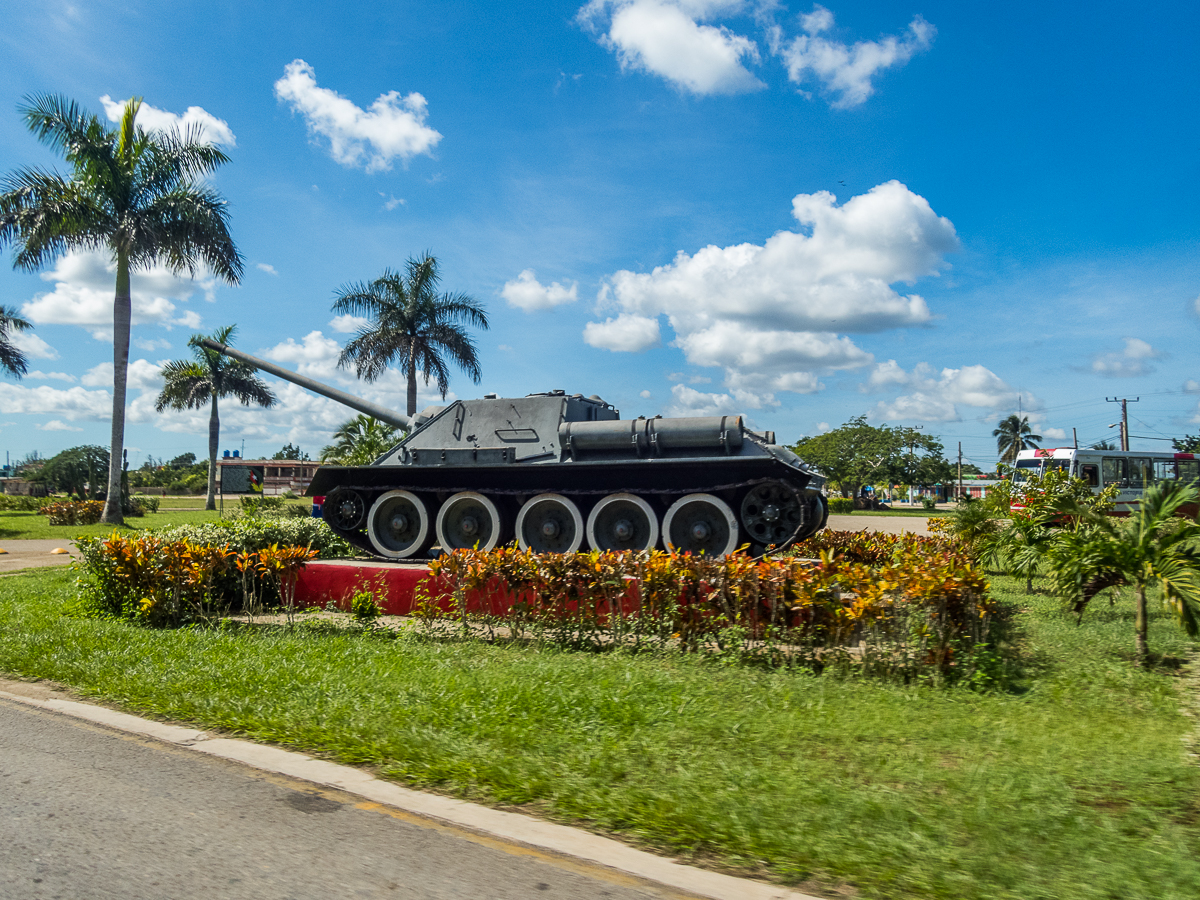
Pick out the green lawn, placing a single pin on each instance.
(32, 525)
(1075, 784)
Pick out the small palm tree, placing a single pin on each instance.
(12, 360)
(1014, 435)
(410, 322)
(138, 197)
(1154, 546)
(199, 382)
(360, 442)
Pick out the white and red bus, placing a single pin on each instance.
(1131, 470)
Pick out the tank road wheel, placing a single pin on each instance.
(550, 523)
(344, 509)
(622, 522)
(398, 525)
(700, 523)
(468, 521)
(771, 513)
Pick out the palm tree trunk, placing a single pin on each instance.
(412, 382)
(214, 439)
(1140, 624)
(122, 311)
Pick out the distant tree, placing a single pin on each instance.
(1107, 445)
(182, 461)
(1013, 435)
(139, 197)
(199, 382)
(411, 323)
(1186, 444)
(360, 442)
(81, 471)
(290, 452)
(12, 360)
(858, 453)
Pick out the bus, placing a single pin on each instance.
(1131, 470)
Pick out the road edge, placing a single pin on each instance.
(508, 827)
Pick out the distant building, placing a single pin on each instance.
(269, 477)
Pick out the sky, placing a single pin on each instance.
(930, 214)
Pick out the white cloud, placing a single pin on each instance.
(208, 127)
(56, 425)
(392, 128)
(84, 283)
(348, 324)
(626, 333)
(769, 315)
(151, 345)
(527, 293)
(266, 267)
(1134, 360)
(1191, 386)
(937, 398)
(823, 427)
(66, 403)
(846, 71)
(391, 202)
(32, 345)
(1054, 434)
(645, 395)
(51, 376)
(686, 401)
(141, 375)
(665, 38)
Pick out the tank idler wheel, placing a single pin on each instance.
(468, 521)
(344, 509)
(700, 523)
(772, 512)
(398, 525)
(550, 523)
(818, 515)
(622, 522)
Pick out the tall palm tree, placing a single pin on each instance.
(360, 442)
(1014, 435)
(1154, 546)
(194, 383)
(410, 322)
(139, 197)
(12, 360)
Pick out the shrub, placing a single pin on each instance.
(73, 512)
(24, 503)
(178, 487)
(251, 535)
(148, 504)
(928, 504)
(841, 506)
(365, 607)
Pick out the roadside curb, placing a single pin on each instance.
(507, 827)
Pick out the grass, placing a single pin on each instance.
(31, 525)
(1074, 784)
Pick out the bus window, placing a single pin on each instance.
(1025, 468)
(1165, 470)
(1140, 473)
(1090, 473)
(1189, 470)
(1115, 471)
(1057, 464)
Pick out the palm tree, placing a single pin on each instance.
(360, 442)
(411, 322)
(192, 384)
(1014, 435)
(12, 360)
(139, 197)
(1154, 546)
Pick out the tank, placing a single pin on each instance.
(562, 472)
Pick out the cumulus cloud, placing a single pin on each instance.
(845, 72)
(1053, 434)
(56, 425)
(627, 333)
(1136, 359)
(32, 345)
(936, 397)
(666, 38)
(1191, 386)
(686, 401)
(51, 376)
(392, 128)
(770, 314)
(83, 295)
(527, 293)
(72, 403)
(348, 324)
(207, 127)
(266, 267)
(151, 344)
(645, 395)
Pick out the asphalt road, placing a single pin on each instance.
(86, 813)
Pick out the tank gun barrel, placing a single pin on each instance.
(374, 410)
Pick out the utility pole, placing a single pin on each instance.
(1075, 438)
(960, 492)
(1124, 401)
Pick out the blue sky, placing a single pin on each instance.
(927, 213)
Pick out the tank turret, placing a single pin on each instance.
(559, 472)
